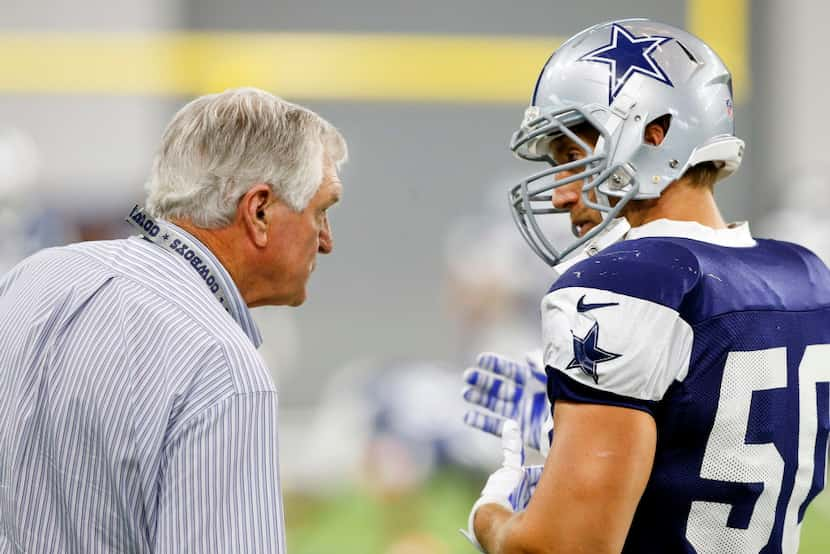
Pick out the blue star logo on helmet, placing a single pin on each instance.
(587, 354)
(627, 55)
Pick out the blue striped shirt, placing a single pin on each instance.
(135, 412)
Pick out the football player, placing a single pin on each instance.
(687, 363)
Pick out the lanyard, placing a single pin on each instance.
(164, 235)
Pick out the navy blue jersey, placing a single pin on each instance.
(728, 348)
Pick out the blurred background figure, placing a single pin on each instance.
(427, 94)
(384, 461)
(494, 282)
(803, 214)
(27, 220)
(18, 196)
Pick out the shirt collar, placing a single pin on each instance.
(735, 235)
(615, 231)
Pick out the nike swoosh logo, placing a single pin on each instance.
(583, 307)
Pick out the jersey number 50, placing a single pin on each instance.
(729, 458)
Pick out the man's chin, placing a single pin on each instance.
(298, 300)
(283, 299)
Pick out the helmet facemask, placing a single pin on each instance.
(533, 196)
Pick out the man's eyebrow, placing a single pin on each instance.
(567, 142)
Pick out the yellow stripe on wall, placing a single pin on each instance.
(724, 25)
(386, 67)
(304, 65)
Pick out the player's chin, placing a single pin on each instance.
(584, 228)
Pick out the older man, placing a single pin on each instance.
(135, 412)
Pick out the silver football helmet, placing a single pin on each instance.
(618, 77)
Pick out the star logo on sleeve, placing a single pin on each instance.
(587, 354)
(627, 55)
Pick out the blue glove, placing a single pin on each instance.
(510, 486)
(499, 388)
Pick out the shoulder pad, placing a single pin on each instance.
(653, 269)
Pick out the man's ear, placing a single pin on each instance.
(654, 134)
(252, 212)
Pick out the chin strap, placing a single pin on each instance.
(613, 232)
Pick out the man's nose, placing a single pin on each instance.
(326, 244)
(566, 196)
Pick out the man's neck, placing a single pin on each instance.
(219, 242)
(680, 202)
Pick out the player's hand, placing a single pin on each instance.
(510, 486)
(499, 388)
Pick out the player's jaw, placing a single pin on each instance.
(584, 219)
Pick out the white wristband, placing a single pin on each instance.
(470, 533)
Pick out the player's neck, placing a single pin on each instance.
(679, 202)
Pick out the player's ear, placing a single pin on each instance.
(656, 130)
(253, 214)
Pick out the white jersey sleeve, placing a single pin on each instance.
(615, 343)
(613, 333)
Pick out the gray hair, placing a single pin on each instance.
(218, 146)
